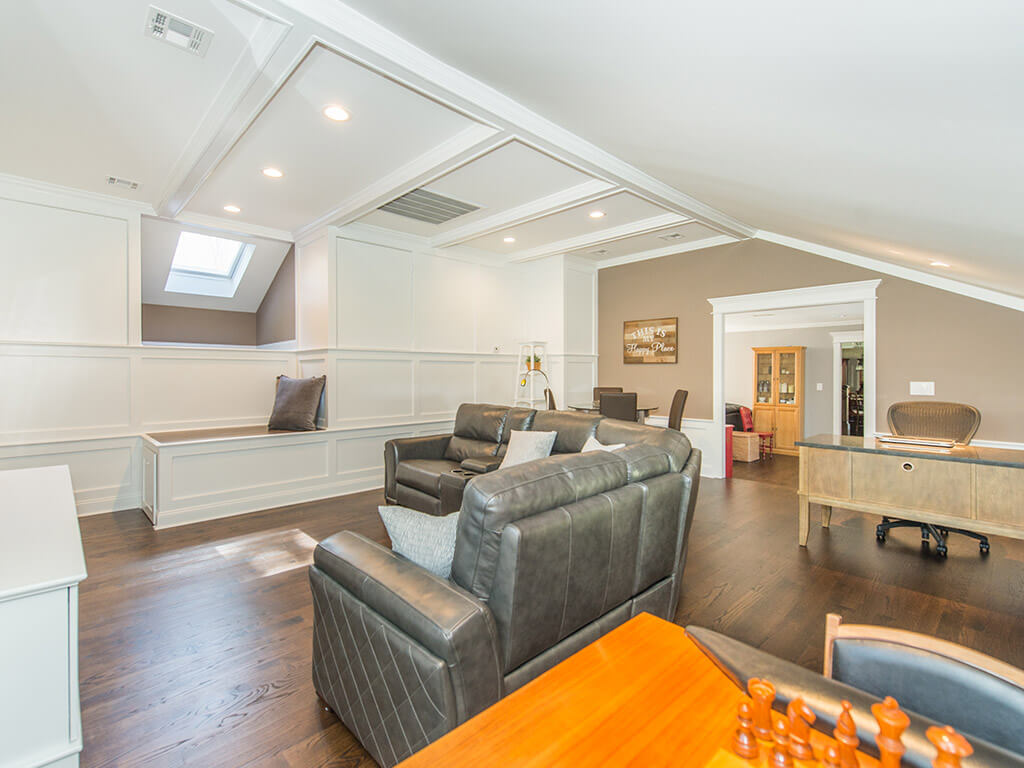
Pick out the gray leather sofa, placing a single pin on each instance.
(430, 473)
(549, 556)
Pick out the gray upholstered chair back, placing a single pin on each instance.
(599, 390)
(478, 431)
(618, 405)
(675, 413)
(946, 421)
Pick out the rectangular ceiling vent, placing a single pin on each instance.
(672, 236)
(175, 30)
(428, 206)
(122, 183)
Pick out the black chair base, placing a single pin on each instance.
(939, 533)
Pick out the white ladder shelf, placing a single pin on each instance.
(530, 382)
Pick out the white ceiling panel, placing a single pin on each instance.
(159, 239)
(94, 96)
(324, 162)
(619, 209)
(649, 241)
(507, 177)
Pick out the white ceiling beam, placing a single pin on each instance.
(232, 227)
(610, 234)
(580, 194)
(467, 145)
(255, 78)
(366, 41)
(668, 250)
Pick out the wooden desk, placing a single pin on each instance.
(979, 489)
(642, 695)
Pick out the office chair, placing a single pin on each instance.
(549, 399)
(943, 681)
(946, 421)
(619, 405)
(675, 413)
(599, 390)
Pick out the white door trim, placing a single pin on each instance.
(839, 293)
(838, 339)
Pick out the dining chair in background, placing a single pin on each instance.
(675, 414)
(599, 390)
(618, 405)
(549, 399)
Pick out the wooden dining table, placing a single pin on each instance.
(642, 411)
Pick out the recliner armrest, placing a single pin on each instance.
(482, 464)
(439, 615)
(405, 448)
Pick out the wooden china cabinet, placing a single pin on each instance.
(779, 395)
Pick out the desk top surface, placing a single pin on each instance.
(999, 457)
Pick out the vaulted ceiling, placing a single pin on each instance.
(604, 131)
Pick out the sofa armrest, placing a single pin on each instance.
(482, 464)
(404, 448)
(435, 613)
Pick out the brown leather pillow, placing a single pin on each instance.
(296, 403)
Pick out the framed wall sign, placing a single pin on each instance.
(649, 341)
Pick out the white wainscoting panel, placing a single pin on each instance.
(580, 310)
(495, 381)
(368, 389)
(580, 379)
(65, 275)
(375, 295)
(217, 468)
(443, 385)
(443, 303)
(500, 309)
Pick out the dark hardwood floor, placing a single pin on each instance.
(778, 470)
(196, 641)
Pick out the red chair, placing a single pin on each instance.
(766, 440)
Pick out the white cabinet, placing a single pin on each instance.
(41, 564)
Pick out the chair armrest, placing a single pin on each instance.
(404, 448)
(437, 614)
(481, 464)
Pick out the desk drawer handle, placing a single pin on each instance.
(908, 466)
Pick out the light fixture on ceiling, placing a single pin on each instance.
(232, 209)
(336, 113)
(894, 252)
(508, 240)
(273, 173)
(597, 214)
(939, 264)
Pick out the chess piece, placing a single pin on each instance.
(763, 695)
(950, 745)
(831, 757)
(800, 719)
(744, 743)
(846, 735)
(780, 749)
(892, 721)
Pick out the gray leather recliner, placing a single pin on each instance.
(549, 556)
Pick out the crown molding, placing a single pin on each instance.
(847, 337)
(57, 196)
(797, 326)
(812, 296)
(668, 250)
(906, 273)
(607, 235)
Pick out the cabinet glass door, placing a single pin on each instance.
(763, 367)
(787, 378)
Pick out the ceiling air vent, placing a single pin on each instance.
(428, 206)
(177, 31)
(672, 236)
(122, 183)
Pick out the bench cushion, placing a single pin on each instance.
(424, 474)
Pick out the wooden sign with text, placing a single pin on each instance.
(649, 341)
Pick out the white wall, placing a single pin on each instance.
(739, 369)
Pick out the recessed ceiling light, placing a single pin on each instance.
(273, 173)
(939, 264)
(509, 240)
(895, 252)
(232, 209)
(336, 113)
(596, 214)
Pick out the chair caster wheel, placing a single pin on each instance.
(880, 536)
(984, 548)
(941, 551)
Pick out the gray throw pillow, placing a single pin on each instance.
(528, 446)
(427, 540)
(296, 403)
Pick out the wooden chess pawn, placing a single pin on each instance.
(744, 743)
(846, 736)
(800, 719)
(762, 693)
(892, 722)
(950, 745)
(781, 758)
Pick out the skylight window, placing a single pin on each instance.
(204, 265)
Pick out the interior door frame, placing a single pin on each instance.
(864, 291)
(838, 339)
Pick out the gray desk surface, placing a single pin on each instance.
(999, 457)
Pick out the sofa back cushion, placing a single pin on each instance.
(478, 430)
(675, 444)
(573, 429)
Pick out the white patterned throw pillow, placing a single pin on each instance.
(527, 446)
(427, 540)
(593, 444)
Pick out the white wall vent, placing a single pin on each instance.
(672, 236)
(175, 30)
(428, 206)
(122, 183)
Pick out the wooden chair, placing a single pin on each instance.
(946, 682)
(675, 413)
(599, 390)
(618, 405)
(549, 399)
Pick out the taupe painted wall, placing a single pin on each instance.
(969, 348)
(274, 321)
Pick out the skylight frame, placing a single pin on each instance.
(209, 282)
